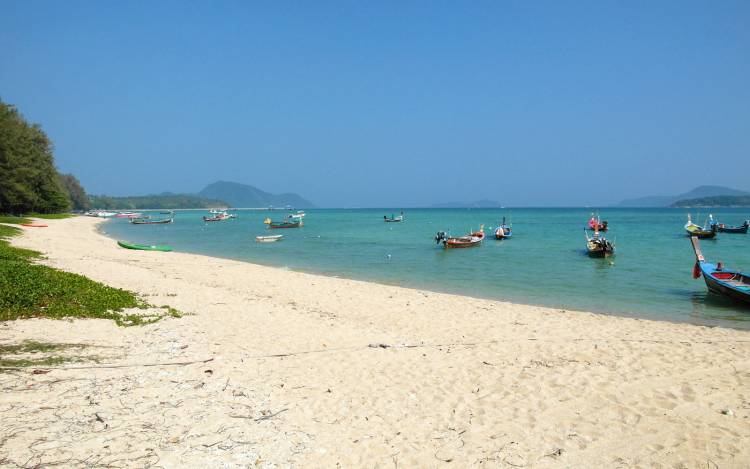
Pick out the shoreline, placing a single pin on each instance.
(690, 320)
(312, 370)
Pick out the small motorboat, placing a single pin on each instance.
(128, 215)
(595, 224)
(268, 239)
(719, 279)
(149, 221)
(742, 229)
(598, 246)
(503, 231)
(221, 216)
(297, 216)
(393, 219)
(703, 232)
(145, 247)
(472, 239)
(287, 223)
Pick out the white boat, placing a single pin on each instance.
(299, 215)
(103, 214)
(268, 239)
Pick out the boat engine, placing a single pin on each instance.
(440, 236)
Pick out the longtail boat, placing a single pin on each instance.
(595, 224)
(288, 223)
(742, 229)
(472, 239)
(393, 219)
(145, 247)
(148, 221)
(701, 232)
(503, 231)
(128, 215)
(719, 279)
(598, 246)
(218, 217)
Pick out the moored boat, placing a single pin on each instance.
(268, 239)
(393, 219)
(297, 216)
(703, 232)
(221, 216)
(742, 229)
(148, 221)
(595, 223)
(449, 242)
(128, 215)
(287, 223)
(503, 231)
(598, 246)
(145, 247)
(719, 279)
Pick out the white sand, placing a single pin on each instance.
(468, 383)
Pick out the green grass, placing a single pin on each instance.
(49, 354)
(14, 220)
(49, 216)
(29, 290)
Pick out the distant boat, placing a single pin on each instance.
(394, 219)
(595, 224)
(742, 229)
(145, 247)
(472, 239)
(701, 232)
(727, 282)
(297, 216)
(598, 246)
(148, 221)
(220, 216)
(128, 215)
(288, 223)
(167, 212)
(216, 211)
(268, 239)
(503, 231)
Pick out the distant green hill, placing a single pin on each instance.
(717, 201)
(244, 196)
(163, 201)
(668, 200)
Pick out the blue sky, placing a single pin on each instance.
(388, 103)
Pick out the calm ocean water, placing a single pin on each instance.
(545, 263)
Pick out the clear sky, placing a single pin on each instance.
(356, 103)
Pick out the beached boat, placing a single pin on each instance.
(503, 231)
(719, 279)
(598, 246)
(595, 224)
(145, 247)
(103, 214)
(742, 229)
(128, 215)
(34, 225)
(472, 239)
(287, 223)
(394, 219)
(268, 239)
(703, 232)
(148, 221)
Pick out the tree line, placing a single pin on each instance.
(162, 201)
(29, 180)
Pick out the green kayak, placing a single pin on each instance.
(145, 247)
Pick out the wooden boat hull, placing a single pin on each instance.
(279, 225)
(732, 229)
(601, 253)
(151, 222)
(719, 280)
(458, 243)
(145, 247)
(34, 225)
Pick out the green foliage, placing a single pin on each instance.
(14, 220)
(163, 201)
(76, 194)
(31, 290)
(30, 181)
(49, 216)
(715, 201)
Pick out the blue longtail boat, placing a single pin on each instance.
(718, 278)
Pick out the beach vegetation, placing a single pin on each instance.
(164, 201)
(31, 290)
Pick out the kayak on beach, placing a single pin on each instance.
(145, 247)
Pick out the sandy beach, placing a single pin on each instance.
(274, 368)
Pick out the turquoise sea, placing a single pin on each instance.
(545, 263)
